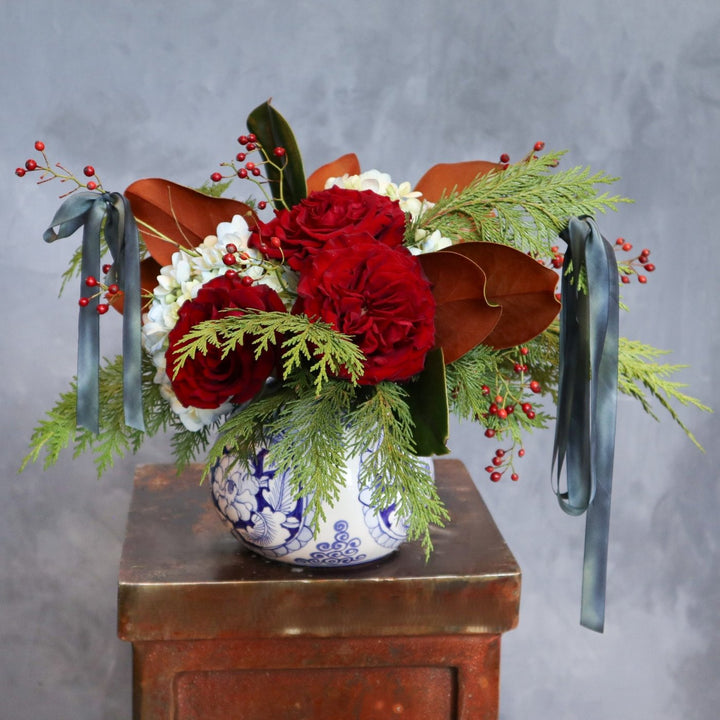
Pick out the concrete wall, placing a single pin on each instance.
(141, 88)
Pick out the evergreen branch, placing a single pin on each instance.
(391, 470)
(638, 366)
(300, 339)
(524, 206)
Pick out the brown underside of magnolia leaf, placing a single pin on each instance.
(442, 179)
(463, 316)
(149, 271)
(344, 165)
(171, 215)
(520, 285)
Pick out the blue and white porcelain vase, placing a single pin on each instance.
(261, 512)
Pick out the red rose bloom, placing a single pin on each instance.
(308, 226)
(207, 381)
(376, 294)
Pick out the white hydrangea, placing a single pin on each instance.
(426, 242)
(180, 282)
(410, 200)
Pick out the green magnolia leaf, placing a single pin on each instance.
(272, 130)
(427, 400)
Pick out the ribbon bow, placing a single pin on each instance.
(587, 399)
(106, 215)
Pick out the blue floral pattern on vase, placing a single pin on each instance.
(257, 503)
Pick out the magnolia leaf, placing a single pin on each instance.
(345, 165)
(427, 400)
(149, 271)
(272, 130)
(522, 287)
(442, 179)
(170, 216)
(463, 316)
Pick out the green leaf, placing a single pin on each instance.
(427, 400)
(272, 130)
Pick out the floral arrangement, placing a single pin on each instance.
(339, 310)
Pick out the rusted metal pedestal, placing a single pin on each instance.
(220, 633)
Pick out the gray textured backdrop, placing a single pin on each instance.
(143, 88)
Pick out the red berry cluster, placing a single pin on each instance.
(502, 462)
(48, 172)
(558, 258)
(248, 169)
(109, 291)
(628, 268)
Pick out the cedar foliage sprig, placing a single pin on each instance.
(525, 205)
(384, 423)
(638, 368)
(302, 340)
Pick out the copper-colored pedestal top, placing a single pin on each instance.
(183, 576)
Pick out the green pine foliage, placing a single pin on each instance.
(305, 343)
(524, 206)
(384, 422)
(639, 368)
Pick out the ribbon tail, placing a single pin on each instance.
(88, 363)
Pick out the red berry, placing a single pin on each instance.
(642, 279)
(620, 241)
(504, 158)
(83, 302)
(275, 241)
(252, 137)
(539, 145)
(30, 165)
(521, 452)
(497, 461)
(524, 351)
(627, 247)
(645, 252)
(490, 468)
(262, 205)
(495, 477)
(102, 308)
(625, 279)
(246, 280)
(485, 390)
(91, 185)
(650, 267)
(39, 145)
(530, 415)
(216, 177)
(502, 413)
(526, 407)
(91, 281)
(279, 152)
(500, 452)
(498, 398)
(517, 367)
(251, 146)
(510, 409)
(489, 433)
(243, 139)
(88, 171)
(240, 157)
(493, 409)
(250, 166)
(229, 259)
(515, 477)
(231, 247)
(113, 289)
(256, 171)
(535, 386)
(242, 173)
(231, 273)
(20, 172)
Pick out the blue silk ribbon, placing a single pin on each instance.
(106, 215)
(587, 399)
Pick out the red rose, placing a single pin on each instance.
(207, 381)
(304, 229)
(376, 294)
